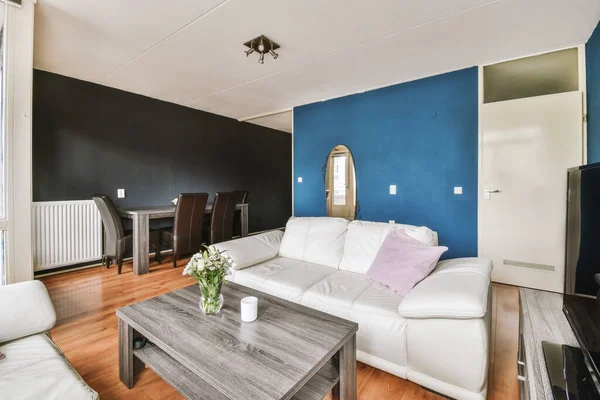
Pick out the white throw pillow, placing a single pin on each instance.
(317, 240)
(364, 238)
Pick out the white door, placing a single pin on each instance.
(527, 145)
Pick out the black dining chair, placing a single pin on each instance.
(117, 241)
(186, 236)
(237, 217)
(221, 218)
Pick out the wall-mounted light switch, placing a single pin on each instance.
(121, 193)
(299, 179)
(392, 189)
(457, 189)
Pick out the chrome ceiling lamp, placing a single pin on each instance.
(262, 45)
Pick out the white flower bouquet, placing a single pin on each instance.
(209, 267)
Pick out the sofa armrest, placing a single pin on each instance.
(456, 289)
(25, 309)
(252, 250)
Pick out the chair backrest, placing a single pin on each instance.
(189, 222)
(242, 196)
(221, 222)
(113, 227)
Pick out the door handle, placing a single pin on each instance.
(489, 191)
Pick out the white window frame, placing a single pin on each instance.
(18, 94)
(6, 144)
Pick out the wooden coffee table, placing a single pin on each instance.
(289, 352)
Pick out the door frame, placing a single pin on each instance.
(582, 89)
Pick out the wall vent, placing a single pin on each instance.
(523, 264)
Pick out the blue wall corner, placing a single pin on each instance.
(592, 67)
(421, 136)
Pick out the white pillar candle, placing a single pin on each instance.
(249, 308)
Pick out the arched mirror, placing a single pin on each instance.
(340, 184)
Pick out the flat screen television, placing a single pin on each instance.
(581, 303)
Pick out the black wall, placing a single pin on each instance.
(89, 139)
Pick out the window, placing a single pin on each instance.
(549, 73)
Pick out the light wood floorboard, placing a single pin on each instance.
(86, 332)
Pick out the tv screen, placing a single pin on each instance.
(582, 263)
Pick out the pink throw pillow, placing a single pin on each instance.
(402, 261)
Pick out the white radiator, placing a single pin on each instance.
(66, 233)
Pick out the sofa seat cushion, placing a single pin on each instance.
(283, 277)
(317, 240)
(34, 368)
(344, 294)
(381, 329)
(378, 300)
(340, 289)
(352, 291)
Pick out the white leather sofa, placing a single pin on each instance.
(34, 367)
(437, 336)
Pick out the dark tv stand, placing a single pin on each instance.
(569, 372)
(541, 319)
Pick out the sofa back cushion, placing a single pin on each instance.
(317, 240)
(364, 239)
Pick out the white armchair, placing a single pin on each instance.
(25, 309)
(34, 367)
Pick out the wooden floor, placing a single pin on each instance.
(86, 332)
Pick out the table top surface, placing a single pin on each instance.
(153, 210)
(270, 358)
(147, 210)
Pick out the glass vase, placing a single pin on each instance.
(211, 299)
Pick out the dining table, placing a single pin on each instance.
(141, 217)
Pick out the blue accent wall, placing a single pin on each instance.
(421, 136)
(592, 67)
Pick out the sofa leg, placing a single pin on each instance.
(434, 392)
(174, 261)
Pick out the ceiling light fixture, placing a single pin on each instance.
(262, 45)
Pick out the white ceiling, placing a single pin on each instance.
(190, 52)
(282, 121)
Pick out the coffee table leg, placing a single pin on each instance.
(346, 388)
(129, 365)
